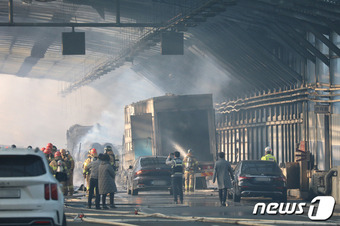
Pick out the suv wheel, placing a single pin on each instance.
(283, 198)
(64, 220)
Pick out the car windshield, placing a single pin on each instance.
(261, 168)
(152, 161)
(21, 166)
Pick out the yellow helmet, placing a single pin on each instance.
(63, 151)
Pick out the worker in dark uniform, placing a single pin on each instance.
(176, 176)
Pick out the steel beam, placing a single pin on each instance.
(81, 24)
(292, 43)
(306, 43)
(335, 27)
(323, 39)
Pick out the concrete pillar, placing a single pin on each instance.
(335, 107)
(323, 77)
(336, 186)
(311, 78)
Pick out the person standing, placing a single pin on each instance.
(86, 172)
(59, 170)
(106, 181)
(268, 156)
(67, 158)
(176, 176)
(223, 172)
(190, 165)
(48, 154)
(108, 150)
(94, 167)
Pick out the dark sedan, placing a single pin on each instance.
(149, 173)
(257, 178)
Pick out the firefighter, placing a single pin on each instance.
(54, 149)
(86, 171)
(59, 170)
(268, 156)
(190, 165)
(49, 145)
(67, 158)
(108, 150)
(48, 154)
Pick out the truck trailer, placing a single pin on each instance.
(162, 125)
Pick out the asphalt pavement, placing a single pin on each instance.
(199, 208)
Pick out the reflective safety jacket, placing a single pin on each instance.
(269, 157)
(69, 162)
(58, 166)
(86, 170)
(190, 163)
(176, 166)
(113, 162)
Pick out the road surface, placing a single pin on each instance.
(199, 208)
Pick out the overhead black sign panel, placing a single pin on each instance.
(172, 43)
(73, 43)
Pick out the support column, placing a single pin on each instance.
(10, 11)
(117, 11)
(335, 107)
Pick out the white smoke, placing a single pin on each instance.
(125, 88)
(32, 112)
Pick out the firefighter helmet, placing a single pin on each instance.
(107, 149)
(93, 152)
(63, 151)
(47, 151)
(57, 154)
(189, 151)
(268, 150)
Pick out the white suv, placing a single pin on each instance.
(29, 193)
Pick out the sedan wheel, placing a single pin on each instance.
(236, 198)
(128, 190)
(134, 192)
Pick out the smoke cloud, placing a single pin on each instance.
(32, 112)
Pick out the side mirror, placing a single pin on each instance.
(130, 167)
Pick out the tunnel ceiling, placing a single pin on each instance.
(240, 45)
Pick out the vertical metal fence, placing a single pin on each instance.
(243, 134)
